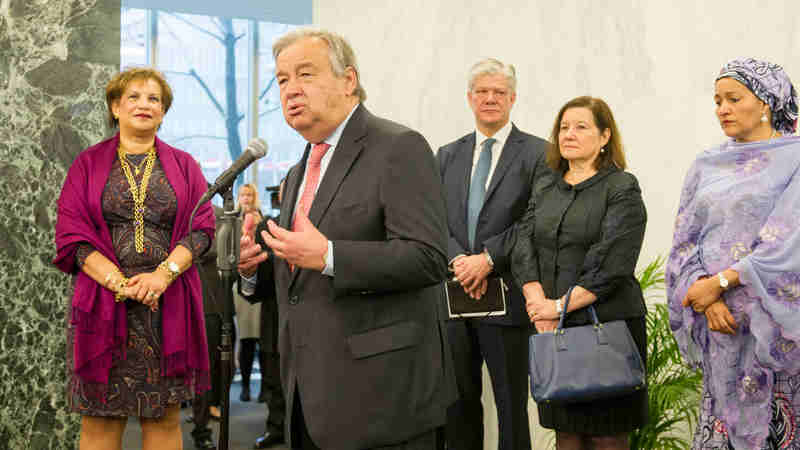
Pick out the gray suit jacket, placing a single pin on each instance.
(366, 349)
(505, 202)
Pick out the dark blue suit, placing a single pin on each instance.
(500, 341)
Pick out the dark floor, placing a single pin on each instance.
(246, 423)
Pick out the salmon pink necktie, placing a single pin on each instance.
(312, 180)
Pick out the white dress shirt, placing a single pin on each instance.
(497, 148)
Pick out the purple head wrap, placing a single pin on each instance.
(769, 83)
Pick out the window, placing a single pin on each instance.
(221, 72)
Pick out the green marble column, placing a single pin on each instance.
(55, 58)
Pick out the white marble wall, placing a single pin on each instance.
(653, 61)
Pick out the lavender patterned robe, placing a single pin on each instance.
(738, 209)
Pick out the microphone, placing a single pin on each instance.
(256, 148)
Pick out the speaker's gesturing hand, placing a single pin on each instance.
(250, 253)
(305, 247)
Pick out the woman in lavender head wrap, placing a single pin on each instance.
(136, 343)
(733, 275)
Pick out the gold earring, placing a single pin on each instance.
(764, 118)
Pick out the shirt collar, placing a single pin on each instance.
(501, 136)
(333, 139)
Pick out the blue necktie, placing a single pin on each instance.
(477, 188)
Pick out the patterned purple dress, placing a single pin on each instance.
(739, 209)
(136, 386)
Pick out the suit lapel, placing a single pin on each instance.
(344, 155)
(462, 168)
(509, 153)
(292, 187)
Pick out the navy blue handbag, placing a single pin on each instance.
(585, 363)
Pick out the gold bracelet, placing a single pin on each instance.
(171, 269)
(121, 285)
(111, 278)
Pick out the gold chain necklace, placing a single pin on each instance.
(136, 167)
(139, 193)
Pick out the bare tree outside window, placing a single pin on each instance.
(209, 62)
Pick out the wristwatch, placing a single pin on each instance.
(723, 282)
(171, 268)
(488, 258)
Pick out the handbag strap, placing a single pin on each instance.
(592, 312)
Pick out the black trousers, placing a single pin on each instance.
(273, 391)
(505, 351)
(301, 440)
(247, 354)
(270, 362)
(202, 402)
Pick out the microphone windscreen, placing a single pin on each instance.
(258, 147)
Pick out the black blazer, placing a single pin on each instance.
(505, 202)
(267, 298)
(590, 235)
(366, 349)
(213, 292)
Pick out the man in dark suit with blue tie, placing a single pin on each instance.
(487, 176)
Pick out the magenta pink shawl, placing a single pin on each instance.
(100, 323)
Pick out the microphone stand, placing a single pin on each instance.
(228, 236)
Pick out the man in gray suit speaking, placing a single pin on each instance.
(488, 176)
(360, 254)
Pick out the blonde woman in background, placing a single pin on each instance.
(248, 201)
(248, 316)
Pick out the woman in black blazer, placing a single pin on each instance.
(584, 227)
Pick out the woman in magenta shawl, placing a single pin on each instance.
(136, 337)
(733, 275)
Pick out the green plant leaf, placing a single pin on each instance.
(673, 388)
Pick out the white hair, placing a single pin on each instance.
(340, 53)
(490, 66)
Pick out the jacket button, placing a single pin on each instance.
(293, 300)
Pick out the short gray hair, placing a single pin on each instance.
(491, 66)
(340, 53)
